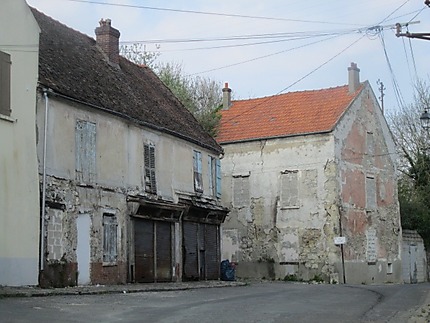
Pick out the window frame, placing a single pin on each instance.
(197, 171)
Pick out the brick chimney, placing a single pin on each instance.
(226, 97)
(107, 38)
(353, 78)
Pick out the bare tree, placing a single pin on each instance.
(413, 144)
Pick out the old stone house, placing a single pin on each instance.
(130, 181)
(310, 177)
(19, 188)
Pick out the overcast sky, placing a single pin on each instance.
(286, 45)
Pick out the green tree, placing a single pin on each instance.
(413, 144)
(201, 96)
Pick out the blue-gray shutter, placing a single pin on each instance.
(110, 238)
(211, 174)
(218, 177)
(85, 155)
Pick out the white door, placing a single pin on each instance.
(413, 250)
(83, 249)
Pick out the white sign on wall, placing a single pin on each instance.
(339, 240)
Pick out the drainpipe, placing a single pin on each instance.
(42, 218)
(341, 246)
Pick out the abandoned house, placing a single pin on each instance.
(130, 181)
(19, 186)
(310, 178)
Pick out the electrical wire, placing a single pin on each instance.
(261, 57)
(396, 87)
(395, 84)
(209, 13)
(299, 80)
(413, 59)
(407, 58)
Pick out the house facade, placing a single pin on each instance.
(310, 178)
(19, 188)
(130, 180)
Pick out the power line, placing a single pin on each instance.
(397, 88)
(299, 80)
(245, 37)
(210, 13)
(261, 57)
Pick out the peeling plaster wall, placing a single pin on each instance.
(276, 233)
(304, 191)
(119, 173)
(369, 204)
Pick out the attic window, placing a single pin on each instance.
(5, 65)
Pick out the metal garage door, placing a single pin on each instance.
(201, 251)
(153, 251)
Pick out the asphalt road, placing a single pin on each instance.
(259, 302)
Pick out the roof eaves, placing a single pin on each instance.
(43, 87)
(275, 137)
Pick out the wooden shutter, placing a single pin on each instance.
(218, 177)
(110, 238)
(85, 155)
(5, 79)
(150, 180)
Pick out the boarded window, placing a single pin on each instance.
(149, 157)
(85, 151)
(110, 238)
(197, 166)
(214, 166)
(370, 192)
(289, 197)
(5, 65)
(241, 195)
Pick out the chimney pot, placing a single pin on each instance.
(353, 78)
(226, 97)
(107, 38)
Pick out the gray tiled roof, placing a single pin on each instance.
(72, 65)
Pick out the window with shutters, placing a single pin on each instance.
(289, 197)
(110, 238)
(197, 166)
(5, 66)
(214, 176)
(149, 157)
(85, 154)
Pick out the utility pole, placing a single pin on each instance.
(381, 89)
(399, 33)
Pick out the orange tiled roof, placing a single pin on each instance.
(287, 114)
